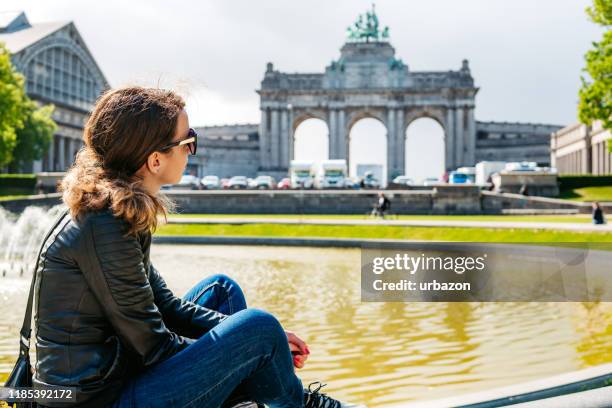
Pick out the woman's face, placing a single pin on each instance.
(167, 167)
(176, 158)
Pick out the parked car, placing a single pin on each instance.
(458, 178)
(403, 181)
(251, 183)
(225, 183)
(470, 172)
(238, 182)
(265, 183)
(284, 184)
(211, 182)
(187, 182)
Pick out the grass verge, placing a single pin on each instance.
(384, 232)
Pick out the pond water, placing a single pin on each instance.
(380, 354)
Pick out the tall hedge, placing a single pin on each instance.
(571, 181)
(18, 180)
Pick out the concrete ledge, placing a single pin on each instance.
(538, 390)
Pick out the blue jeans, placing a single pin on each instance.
(244, 358)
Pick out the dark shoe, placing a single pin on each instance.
(316, 399)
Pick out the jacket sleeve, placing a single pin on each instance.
(113, 266)
(183, 317)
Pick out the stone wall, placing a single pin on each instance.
(495, 203)
(508, 141)
(537, 183)
(291, 202)
(438, 200)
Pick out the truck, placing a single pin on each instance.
(484, 169)
(301, 174)
(331, 174)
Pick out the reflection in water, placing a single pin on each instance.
(595, 325)
(377, 353)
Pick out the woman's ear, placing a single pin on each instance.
(154, 162)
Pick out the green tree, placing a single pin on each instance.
(12, 106)
(26, 130)
(596, 91)
(34, 138)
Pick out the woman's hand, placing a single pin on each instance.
(298, 348)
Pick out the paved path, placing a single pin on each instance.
(565, 226)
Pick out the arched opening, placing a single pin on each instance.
(368, 149)
(311, 141)
(425, 150)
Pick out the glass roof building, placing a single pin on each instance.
(58, 69)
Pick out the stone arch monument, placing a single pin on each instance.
(367, 81)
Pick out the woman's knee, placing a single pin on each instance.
(263, 324)
(228, 298)
(236, 296)
(223, 280)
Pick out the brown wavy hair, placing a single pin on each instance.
(124, 128)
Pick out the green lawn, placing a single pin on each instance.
(384, 232)
(580, 218)
(597, 193)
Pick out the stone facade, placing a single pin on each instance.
(504, 141)
(59, 69)
(226, 151)
(581, 149)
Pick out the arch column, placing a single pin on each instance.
(275, 133)
(333, 134)
(264, 140)
(449, 136)
(291, 135)
(400, 135)
(284, 139)
(471, 138)
(459, 137)
(392, 141)
(342, 136)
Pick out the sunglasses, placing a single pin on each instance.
(191, 141)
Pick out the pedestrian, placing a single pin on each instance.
(598, 214)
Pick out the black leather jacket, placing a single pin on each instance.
(103, 313)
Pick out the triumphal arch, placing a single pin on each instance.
(367, 81)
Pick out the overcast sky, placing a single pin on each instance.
(525, 56)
